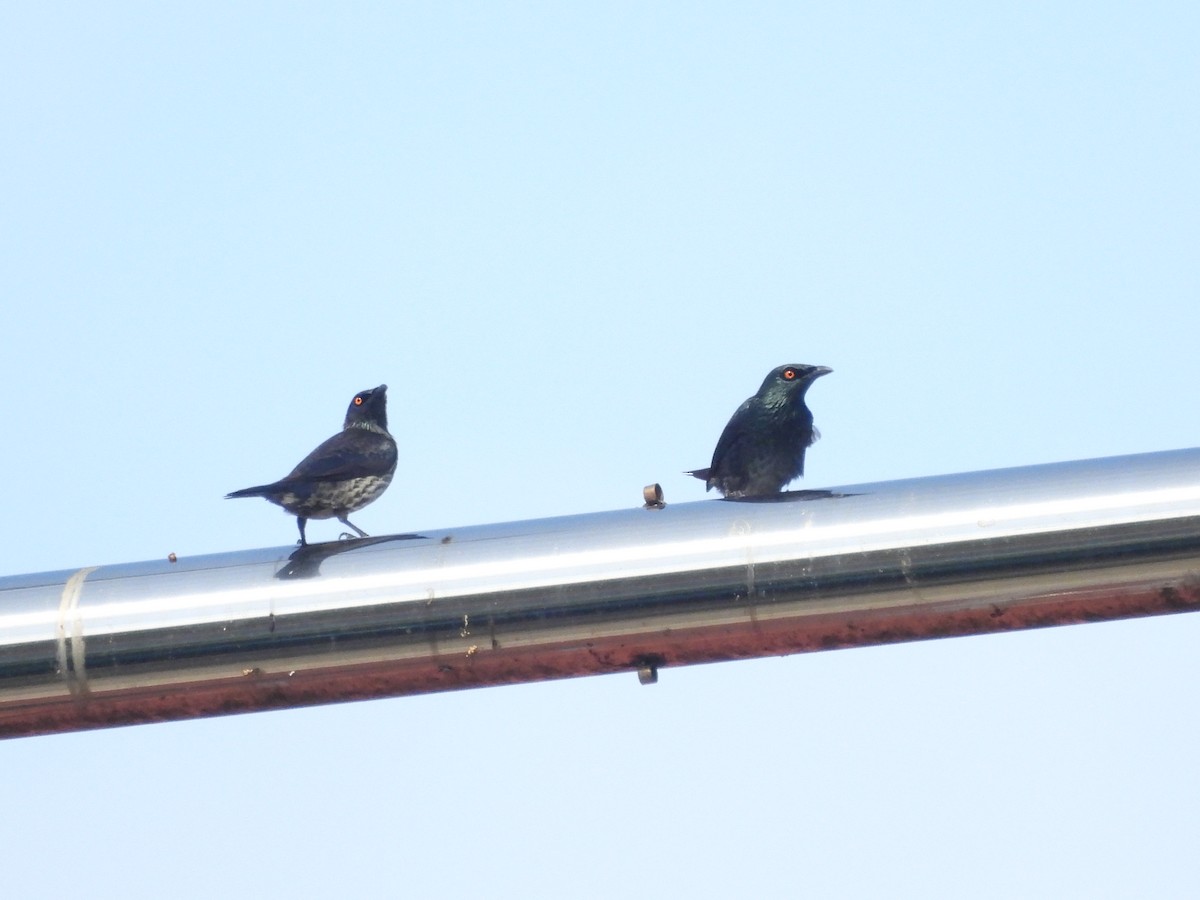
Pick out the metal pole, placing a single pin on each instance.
(632, 590)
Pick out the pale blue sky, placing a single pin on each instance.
(572, 241)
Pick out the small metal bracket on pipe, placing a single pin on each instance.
(652, 494)
(695, 582)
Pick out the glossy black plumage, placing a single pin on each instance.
(344, 474)
(762, 447)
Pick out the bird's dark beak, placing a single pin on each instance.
(818, 371)
(382, 389)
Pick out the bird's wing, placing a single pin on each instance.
(733, 437)
(353, 453)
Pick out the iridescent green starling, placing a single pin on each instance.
(762, 447)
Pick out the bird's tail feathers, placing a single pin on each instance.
(257, 491)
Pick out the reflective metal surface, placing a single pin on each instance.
(634, 590)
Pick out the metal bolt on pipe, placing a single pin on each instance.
(634, 591)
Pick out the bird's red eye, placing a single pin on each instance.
(358, 401)
(789, 374)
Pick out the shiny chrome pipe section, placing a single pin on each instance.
(632, 590)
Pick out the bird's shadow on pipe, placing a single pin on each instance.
(789, 497)
(305, 561)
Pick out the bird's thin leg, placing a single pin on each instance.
(300, 521)
(345, 521)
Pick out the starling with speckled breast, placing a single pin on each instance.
(344, 474)
(762, 447)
